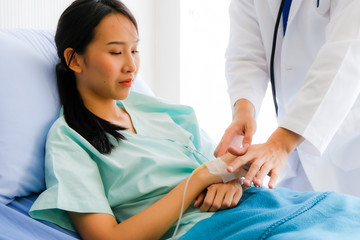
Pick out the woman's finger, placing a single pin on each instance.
(200, 199)
(237, 197)
(218, 201)
(227, 200)
(208, 201)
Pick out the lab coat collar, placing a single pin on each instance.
(274, 6)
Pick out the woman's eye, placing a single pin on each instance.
(115, 53)
(135, 52)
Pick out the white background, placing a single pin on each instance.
(182, 52)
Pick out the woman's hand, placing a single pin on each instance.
(243, 124)
(219, 196)
(268, 158)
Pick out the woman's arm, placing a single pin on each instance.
(150, 223)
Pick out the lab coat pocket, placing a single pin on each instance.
(344, 150)
(322, 6)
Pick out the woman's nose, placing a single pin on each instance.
(130, 64)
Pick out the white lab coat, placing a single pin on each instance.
(317, 79)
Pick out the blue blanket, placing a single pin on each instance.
(284, 214)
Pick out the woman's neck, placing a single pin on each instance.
(111, 112)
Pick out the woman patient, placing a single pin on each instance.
(117, 161)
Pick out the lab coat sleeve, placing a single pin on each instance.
(246, 66)
(332, 84)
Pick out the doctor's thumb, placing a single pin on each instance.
(247, 141)
(240, 149)
(237, 151)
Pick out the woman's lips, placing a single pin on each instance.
(126, 83)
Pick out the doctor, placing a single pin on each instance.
(311, 54)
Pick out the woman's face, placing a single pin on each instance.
(110, 62)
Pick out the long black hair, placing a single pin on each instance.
(76, 29)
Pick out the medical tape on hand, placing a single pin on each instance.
(218, 167)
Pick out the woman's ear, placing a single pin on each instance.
(74, 59)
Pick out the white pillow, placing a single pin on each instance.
(29, 105)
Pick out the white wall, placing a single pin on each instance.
(159, 28)
(167, 46)
(44, 14)
(38, 14)
(144, 12)
(203, 41)
(204, 37)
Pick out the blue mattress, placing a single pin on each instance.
(16, 224)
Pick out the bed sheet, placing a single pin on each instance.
(15, 223)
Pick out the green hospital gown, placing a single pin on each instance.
(139, 171)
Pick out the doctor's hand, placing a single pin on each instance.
(243, 124)
(268, 158)
(219, 196)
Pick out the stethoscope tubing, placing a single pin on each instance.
(272, 59)
(273, 50)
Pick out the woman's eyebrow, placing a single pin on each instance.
(120, 43)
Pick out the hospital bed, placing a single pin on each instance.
(28, 106)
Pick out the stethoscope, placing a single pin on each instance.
(272, 75)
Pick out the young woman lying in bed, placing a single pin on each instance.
(117, 162)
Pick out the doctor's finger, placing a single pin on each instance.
(273, 178)
(237, 163)
(227, 138)
(224, 143)
(220, 150)
(263, 172)
(222, 146)
(248, 135)
(253, 170)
